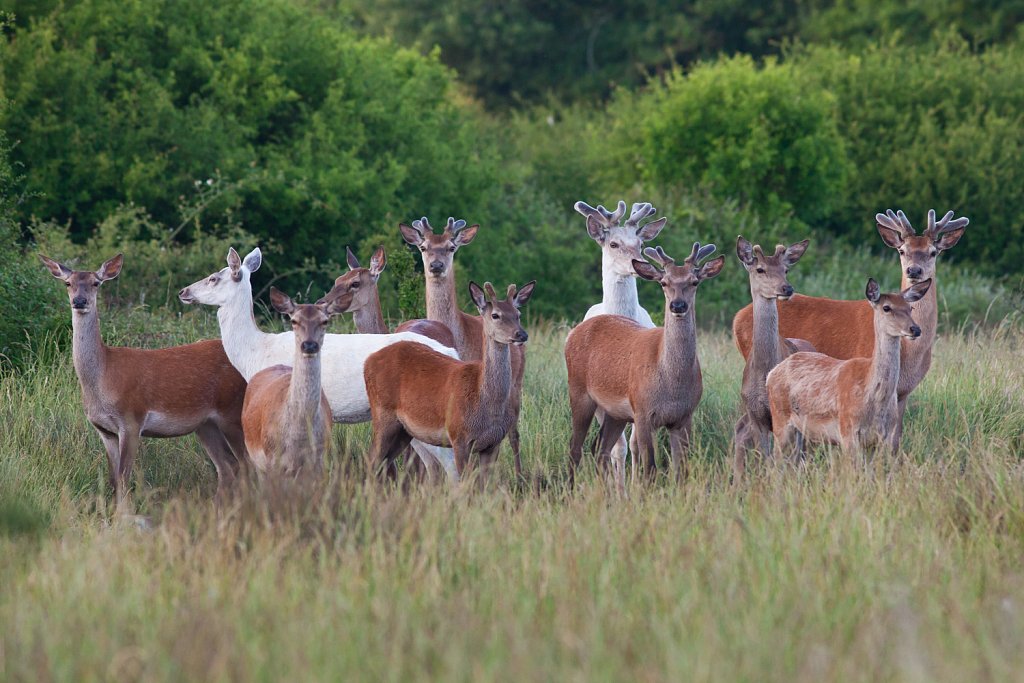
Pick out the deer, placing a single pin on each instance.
(466, 405)
(842, 329)
(648, 376)
(132, 393)
(359, 287)
(769, 283)
(852, 402)
(250, 349)
(620, 246)
(438, 254)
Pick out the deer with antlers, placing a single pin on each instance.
(843, 329)
(359, 287)
(769, 283)
(417, 393)
(131, 393)
(438, 253)
(852, 403)
(286, 415)
(650, 377)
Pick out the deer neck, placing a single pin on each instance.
(370, 318)
(303, 396)
(87, 350)
(678, 346)
(765, 353)
(442, 306)
(240, 335)
(619, 296)
(496, 378)
(885, 368)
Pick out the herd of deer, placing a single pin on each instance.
(448, 389)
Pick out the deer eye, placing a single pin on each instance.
(451, 249)
(760, 269)
(495, 316)
(423, 249)
(901, 252)
(68, 285)
(933, 252)
(614, 245)
(355, 285)
(887, 308)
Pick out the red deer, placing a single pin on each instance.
(852, 403)
(131, 393)
(650, 377)
(843, 329)
(418, 393)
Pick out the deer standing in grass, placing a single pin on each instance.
(131, 393)
(417, 393)
(251, 350)
(843, 329)
(852, 403)
(768, 283)
(650, 377)
(359, 287)
(286, 416)
(438, 252)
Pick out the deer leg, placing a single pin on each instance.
(128, 446)
(644, 434)
(389, 438)
(224, 461)
(608, 438)
(583, 409)
(897, 432)
(235, 439)
(513, 440)
(742, 444)
(679, 439)
(113, 448)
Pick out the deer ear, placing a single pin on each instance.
(872, 292)
(253, 260)
(744, 251)
(794, 252)
(280, 301)
(466, 235)
(712, 268)
(351, 259)
(410, 234)
(111, 268)
(948, 240)
(652, 229)
(234, 260)
(378, 262)
(58, 270)
(524, 294)
(646, 270)
(916, 291)
(478, 296)
(892, 238)
(596, 229)
(335, 306)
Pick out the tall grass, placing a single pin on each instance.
(909, 569)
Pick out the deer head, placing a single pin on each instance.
(438, 250)
(621, 244)
(309, 321)
(679, 283)
(84, 285)
(768, 273)
(357, 289)
(501, 317)
(227, 284)
(918, 252)
(893, 312)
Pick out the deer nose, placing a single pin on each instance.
(521, 337)
(678, 306)
(436, 266)
(309, 347)
(915, 331)
(914, 272)
(787, 290)
(79, 302)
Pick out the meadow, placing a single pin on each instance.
(908, 569)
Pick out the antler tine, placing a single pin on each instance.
(905, 223)
(489, 291)
(705, 251)
(946, 223)
(510, 292)
(619, 212)
(658, 256)
(584, 208)
(423, 225)
(693, 252)
(780, 249)
(641, 210)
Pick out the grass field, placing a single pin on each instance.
(910, 570)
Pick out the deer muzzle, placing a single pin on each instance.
(310, 348)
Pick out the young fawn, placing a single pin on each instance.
(130, 393)
(650, 377)
(418, 393)
(768, 283)
(852, 402)
(843, 329)
(287, 417)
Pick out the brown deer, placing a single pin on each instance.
(286, 416)
(650, 377)
(852, 403)
(418, 393)
(843, 329)
(130, 393)
(768, 283)
(438, 252)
